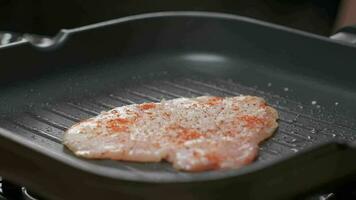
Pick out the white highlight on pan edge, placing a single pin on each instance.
(205, 57)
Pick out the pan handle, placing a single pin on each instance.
(346, 34)
(40, 41)
(7, 38)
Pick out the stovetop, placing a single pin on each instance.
(10, 191)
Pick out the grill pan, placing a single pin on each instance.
(47, 87)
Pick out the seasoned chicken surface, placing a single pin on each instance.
(194, 134)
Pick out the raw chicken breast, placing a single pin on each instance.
(194, 134)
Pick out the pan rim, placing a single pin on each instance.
(200, 14)
(62, 34)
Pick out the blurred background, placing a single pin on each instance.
(47, 17)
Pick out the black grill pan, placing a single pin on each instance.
(48, 86)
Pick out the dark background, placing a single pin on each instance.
(48, 16)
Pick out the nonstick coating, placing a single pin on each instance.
(308, 79)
